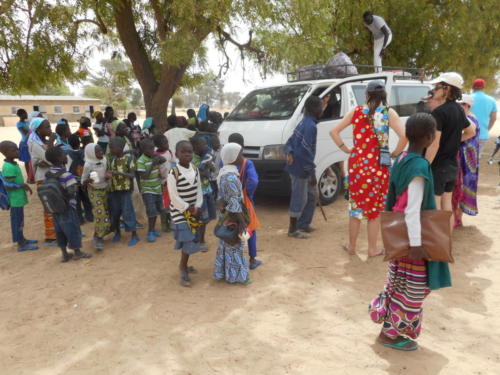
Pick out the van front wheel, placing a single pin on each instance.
(329, 187)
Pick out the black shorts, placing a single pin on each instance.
(445, 178)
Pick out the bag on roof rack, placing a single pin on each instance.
(309, 72)
(340, 64)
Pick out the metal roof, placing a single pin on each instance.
(37, 98)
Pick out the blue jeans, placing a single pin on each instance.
(68, 231)
(17, 224)
(302, 201)
(120, 203)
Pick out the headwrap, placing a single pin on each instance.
(35, 124)
(148, 123)
(33, 115)
(90, 157)
(229, 154)
(203, 113)
(96, 113)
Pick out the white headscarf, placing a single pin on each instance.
(229, 154)
(90, 157)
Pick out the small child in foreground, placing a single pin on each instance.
(16, 190)
(67, 224)
(410, 278)
(148, 166)
(121, 171)
(184, 187)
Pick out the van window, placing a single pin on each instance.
(332, 110)
(275, 103)
(407, 100)
(359, 93)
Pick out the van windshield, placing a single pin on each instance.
(275, 103)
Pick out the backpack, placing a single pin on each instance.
(4, 197)
(52, 194)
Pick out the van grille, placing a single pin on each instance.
(251, 152)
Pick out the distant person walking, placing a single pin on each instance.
(382, 37)
(485, 109)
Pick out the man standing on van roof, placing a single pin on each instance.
(382, 37)
(300, 151)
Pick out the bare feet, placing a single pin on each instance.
(375, 253)
(348, 249)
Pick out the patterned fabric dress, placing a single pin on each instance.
(368, 181)
(99, 199)
(230, 262)
(465, 192)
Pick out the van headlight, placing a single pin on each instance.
(273, 152)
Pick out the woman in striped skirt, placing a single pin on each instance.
(411, 278)
(186, 199)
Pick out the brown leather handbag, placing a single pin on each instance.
(436, 236)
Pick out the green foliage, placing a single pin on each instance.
(114, 85)
(42, 42)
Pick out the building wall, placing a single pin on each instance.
(70, 110)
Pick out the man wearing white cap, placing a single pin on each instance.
(453, 127)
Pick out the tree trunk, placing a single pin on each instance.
(157, 92)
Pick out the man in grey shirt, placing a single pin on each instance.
(382, 36)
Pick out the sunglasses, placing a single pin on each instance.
(439, 87)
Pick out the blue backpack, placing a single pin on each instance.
(4, 198)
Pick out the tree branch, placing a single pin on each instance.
(134, 48)
(160, 21)
(101, 25)
(225, 36)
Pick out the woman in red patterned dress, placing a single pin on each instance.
(368, 161)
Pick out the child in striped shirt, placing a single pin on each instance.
(148, 166)
(184, 187)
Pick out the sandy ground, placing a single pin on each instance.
(123, 311)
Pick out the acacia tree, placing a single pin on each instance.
(43, 41)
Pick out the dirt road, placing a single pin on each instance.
(123, 311)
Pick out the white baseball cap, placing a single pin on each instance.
(451, 78)
(467, 99)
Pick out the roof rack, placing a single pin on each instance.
(320, 71)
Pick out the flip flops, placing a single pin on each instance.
(406, 345)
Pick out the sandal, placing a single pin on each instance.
(299, 234)
(81, 255)
(185, 280)
(66, 258)
(406, 345)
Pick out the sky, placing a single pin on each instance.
(235, 79)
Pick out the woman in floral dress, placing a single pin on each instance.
(368, 174)
(230, 261)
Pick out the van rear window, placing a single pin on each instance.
(275, 103)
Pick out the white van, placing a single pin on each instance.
(266, 118)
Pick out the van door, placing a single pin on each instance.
(328, 155)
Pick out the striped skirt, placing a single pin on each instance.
(399, 307)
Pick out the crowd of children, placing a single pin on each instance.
(174, 174)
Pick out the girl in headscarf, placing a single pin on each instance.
(186, 199)
(148, 127)
(41, 139)
(230, 261)
(94, 178)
